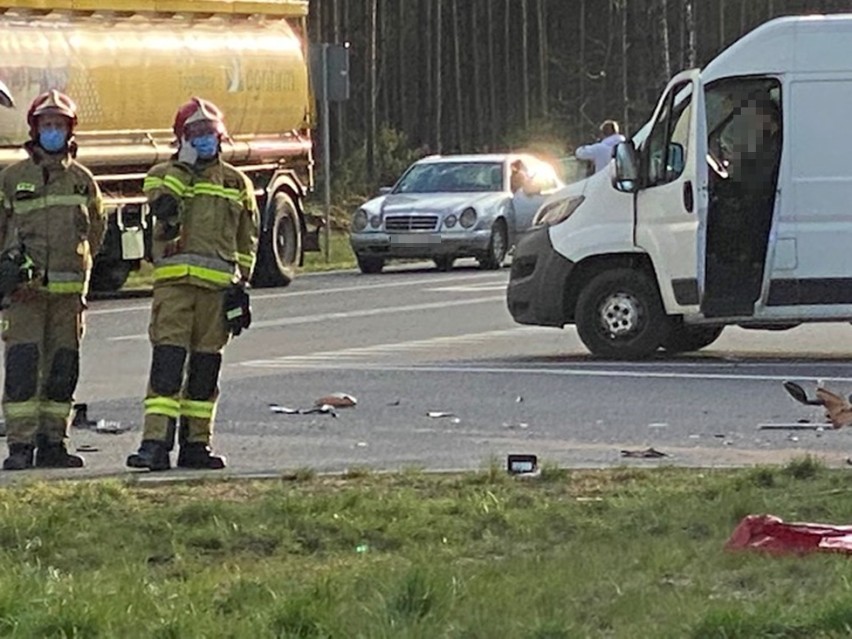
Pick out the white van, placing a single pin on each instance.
(732, 206)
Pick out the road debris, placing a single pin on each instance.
(87, 448)
(521, 425)
(337, 400)
(395, 402)
(324, 409)
(768, 533)
(519, 399)
(521, 464)
(436, 414)
(838, 410)
(796, 426)
(648, 453)
(110, 427)
(658, 425)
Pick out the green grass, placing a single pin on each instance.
(620, 553)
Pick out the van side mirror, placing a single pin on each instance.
(384, 190)
(626, 177)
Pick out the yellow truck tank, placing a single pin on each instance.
(130, 64)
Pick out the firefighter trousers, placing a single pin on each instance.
(42, 334)
(188, 333)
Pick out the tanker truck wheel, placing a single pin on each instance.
(109, 276)
(280, 244)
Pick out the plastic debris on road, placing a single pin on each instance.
(436, 414)
(768, 533)
(110, 427)
(648, 453)
(325, 409)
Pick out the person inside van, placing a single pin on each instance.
(601, 152)
(745, 202)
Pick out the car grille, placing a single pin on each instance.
(395, 223)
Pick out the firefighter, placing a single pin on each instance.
(204, 245)
(52, 224)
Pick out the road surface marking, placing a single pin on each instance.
(344, 315)
(331, 359)
(259, 297)
(470, 288)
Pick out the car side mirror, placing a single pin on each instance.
(384, 190)
(626, 178)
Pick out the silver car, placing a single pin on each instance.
(452, 206)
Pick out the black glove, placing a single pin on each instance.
(166, 209)
(16, 268)
(237, 308)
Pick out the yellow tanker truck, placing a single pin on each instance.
(130, 63)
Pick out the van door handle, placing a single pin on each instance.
(688, 198)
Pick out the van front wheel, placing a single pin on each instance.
(620, 315)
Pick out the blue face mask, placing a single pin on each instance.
(52, 140)
(206, 145)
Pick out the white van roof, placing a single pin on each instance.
(801, 44)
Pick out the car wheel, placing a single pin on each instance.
(370, 265)
(444, 263)
(620, 315)
(497, 247)
(683, 338)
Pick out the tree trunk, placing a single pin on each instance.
(625, 101)
(507, 64)
(457, 73)
(476, 128)
(401, 77)
(525, 76)
(665, 57)
(690, 31)
(439, 138)
(582, 72)
(338, 141)
(721, 24)
(372, 64)
(426, 98)
(492, 75)
(542, 58)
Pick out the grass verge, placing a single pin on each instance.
(618, 553)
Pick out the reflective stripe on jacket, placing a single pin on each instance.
(52, 205)
(218, 220)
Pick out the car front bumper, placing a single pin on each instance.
(538, 281)
(421, 245)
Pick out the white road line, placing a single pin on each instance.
(319, 358)
(344, 315)
(342, 289)
(567, 372)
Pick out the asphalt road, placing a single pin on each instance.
(413, 341)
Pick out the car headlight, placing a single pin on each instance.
(557, 212)
(359, 220)
(468, 218)
(375, 221)
(450, 221)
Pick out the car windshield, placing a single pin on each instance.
(452, 177)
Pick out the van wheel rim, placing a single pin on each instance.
(621, 315)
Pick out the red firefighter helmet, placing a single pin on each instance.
(198, 110)
(52, 101)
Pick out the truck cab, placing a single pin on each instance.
(729, 208)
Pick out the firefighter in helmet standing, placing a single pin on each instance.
(204, 244)
(51, 226)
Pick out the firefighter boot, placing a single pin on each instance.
(56, 455)
(20, 457)
(153, 454)
(199, 455)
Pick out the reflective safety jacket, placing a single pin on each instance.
(218, 221)
(53, 206)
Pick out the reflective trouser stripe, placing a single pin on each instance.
(163, 406)
(195, 408)
(17, 410)
(56, 409)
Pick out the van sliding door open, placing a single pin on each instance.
(744, 128)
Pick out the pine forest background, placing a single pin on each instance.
(430, 76)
